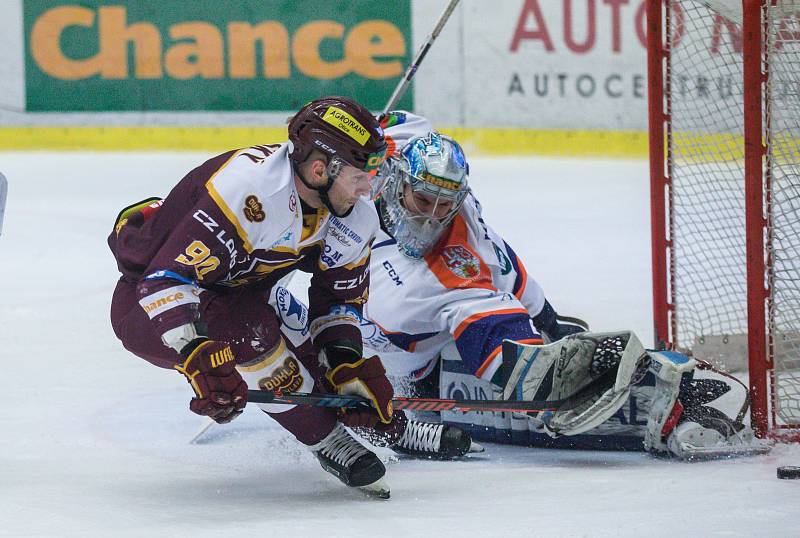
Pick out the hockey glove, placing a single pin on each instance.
(210, 367)
(554, 327)
(364, 377)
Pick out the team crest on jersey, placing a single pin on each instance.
(461, 262)
(285, 378)
(253, 210)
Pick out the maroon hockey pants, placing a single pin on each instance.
(241, 317)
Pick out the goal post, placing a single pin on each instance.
(724, 117)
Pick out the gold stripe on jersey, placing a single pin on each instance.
(264, 269)
(360, 262)
(231, 215)
(266, 359)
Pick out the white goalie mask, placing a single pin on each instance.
(425, 186)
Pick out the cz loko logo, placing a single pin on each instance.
(205, 55)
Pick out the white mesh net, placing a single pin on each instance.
(706, 160)
(783, 162)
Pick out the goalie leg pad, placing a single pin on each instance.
(669, 368)
(688, 417)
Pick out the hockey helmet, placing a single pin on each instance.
(340, 128)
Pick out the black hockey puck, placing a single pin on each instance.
(788, 472)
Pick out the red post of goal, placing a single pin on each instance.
(659, 179)
(756, 185)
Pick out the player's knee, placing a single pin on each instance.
(279, 370)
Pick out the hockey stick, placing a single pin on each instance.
(411, 404)
(3, 195)
(412, 69)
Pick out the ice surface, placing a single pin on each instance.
(93, 441)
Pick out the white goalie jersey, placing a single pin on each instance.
(471, 289)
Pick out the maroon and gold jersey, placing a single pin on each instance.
(236, 220)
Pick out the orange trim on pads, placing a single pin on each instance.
(456, 264)
(490, 359)
(524, 274)
(480, 315)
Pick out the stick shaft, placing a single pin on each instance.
(401, 87)
(412, 404)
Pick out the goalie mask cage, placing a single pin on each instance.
(724, 114)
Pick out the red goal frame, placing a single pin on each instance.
(757, 186)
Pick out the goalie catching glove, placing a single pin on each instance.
(351, 374)
(210, 368)
(589, 373)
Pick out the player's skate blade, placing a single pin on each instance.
(476, 448)
(378, 489)
(434, 441)
(349, 461)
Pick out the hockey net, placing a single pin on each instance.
(726, 200)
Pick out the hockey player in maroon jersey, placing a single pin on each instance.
(198, 268)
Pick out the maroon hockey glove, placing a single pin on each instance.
(365, 377)
(210, 368)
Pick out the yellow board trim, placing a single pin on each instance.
(551, 143)
(556, 143)
(489, 142)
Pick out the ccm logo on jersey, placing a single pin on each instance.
(162, 301)
(392, 273)
(351, 283)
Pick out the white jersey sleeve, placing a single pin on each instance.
(400, 126)
(508, 272)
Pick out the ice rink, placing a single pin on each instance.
(94, 441)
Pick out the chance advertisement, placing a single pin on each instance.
(190, 55)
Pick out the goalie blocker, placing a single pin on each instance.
(618, 396)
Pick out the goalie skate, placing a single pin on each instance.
(435, 441)
(691, 442)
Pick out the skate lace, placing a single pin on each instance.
(343, 448)
(422, 436)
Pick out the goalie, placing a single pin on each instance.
(446, 290)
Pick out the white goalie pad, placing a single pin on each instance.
(685, 427)
(590, 373)
(668, 368)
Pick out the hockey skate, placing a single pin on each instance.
(434, 441)
(344, 457)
